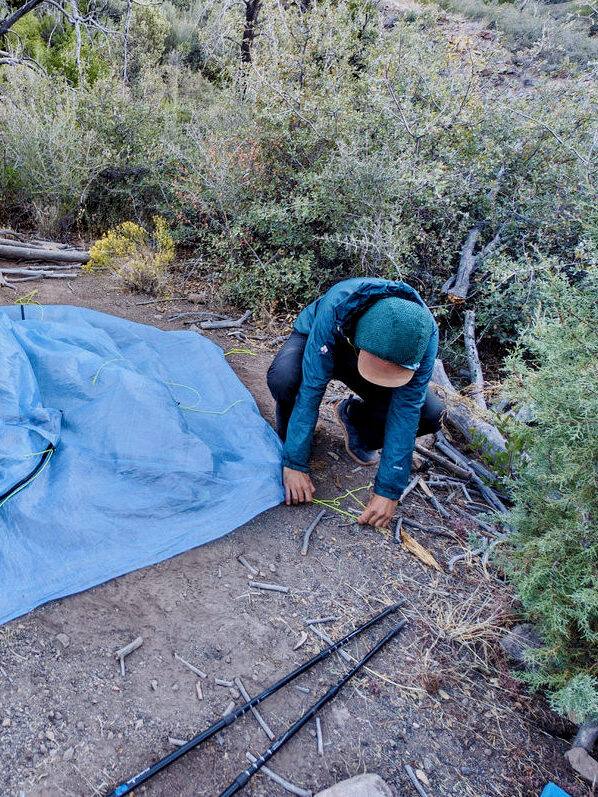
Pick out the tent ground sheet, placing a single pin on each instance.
(120, 445)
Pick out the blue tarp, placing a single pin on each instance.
(129, 445)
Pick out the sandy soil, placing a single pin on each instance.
(439, 698)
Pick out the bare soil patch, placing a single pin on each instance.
(439, 698)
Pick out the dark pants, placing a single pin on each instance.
(367, 414)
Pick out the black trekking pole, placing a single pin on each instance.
(242, 779)
(228, 719)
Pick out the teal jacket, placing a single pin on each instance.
(326, 321)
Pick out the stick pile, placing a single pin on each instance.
(23, 260)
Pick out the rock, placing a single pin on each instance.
(68, 753)
(6, 722)
(196, 298)
(583, 763)
(366, 785)
(520, 639)
(63, 639)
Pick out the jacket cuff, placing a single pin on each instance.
(388, 492)
(288, 464)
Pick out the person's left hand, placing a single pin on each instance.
(379, 511)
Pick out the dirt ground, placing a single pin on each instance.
(439, 697)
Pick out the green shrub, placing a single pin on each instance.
(553, 561)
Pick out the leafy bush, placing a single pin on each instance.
(553, 561)
(138, 259)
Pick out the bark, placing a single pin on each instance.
(252, 9)
(473, 360)
(12, 252)
(462, 417)
(9, 21)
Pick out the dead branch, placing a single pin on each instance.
(458, 287)
(462, 473)
(473, 361)
(227, 323)
(461, 416)
(16, 251)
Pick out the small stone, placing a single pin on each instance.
(110, 735)
(80, 726)
(57, 715)
(154, 684)
(63, 639)
(227, 659)
(272, 568)
(68, 753)
(43, 749)
(138, 725)
(50, 735)
(583, 763)
(6, 722)
(235, 694)
(444, 695)
(359, 786)
(428, 764)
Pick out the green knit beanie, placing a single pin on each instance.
(397, 330)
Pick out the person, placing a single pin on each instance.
(378, 338)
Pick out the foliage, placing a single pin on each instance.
(138, 259)
(553, 562)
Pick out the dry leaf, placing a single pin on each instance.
(302, 640)
(423, 554)
(337, 481)
(421, 775)
(425, 488)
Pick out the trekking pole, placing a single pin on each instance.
(244, 777)
(228, 719)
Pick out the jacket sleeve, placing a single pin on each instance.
(401, 427)
(318, 367)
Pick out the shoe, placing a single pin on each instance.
(353, 444)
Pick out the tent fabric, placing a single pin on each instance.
(120, 445)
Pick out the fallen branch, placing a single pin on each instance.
(427, 529)
(460, 415)
(260, 720)
(309, 530)
(123, 652)
(473, 361)
(16, 251)
(269, 587)
(285, 784)
(325, 638)
(461, 459)
(414, 780)
(462, 473)
(486, 527)
(226, 323)
(189, 666)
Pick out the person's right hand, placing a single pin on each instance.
(298, 487)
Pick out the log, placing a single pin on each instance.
(12, 252)
(461, 416)
(473, 361)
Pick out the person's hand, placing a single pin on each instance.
(298, 487)
(378, 512)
